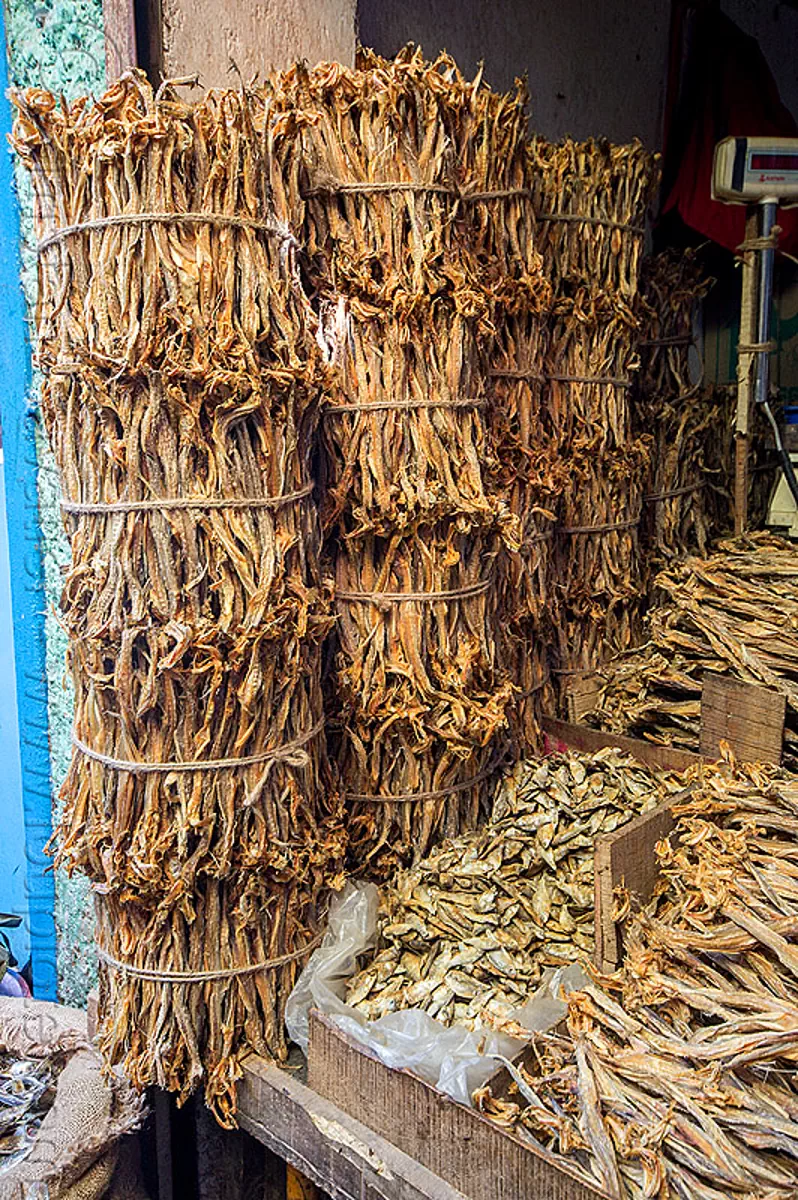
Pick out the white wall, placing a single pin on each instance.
(595, 67)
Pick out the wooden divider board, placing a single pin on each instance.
(750, 718)
(626, 857)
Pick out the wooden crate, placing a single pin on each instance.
(467, 1150)
(748, 717)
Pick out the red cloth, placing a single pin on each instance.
(728, 91)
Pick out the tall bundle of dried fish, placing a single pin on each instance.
(591, 199)
(420, 696)
(467, 933)
(676, 1077)
(672, 408)
(408, 182)
(735, 611)
(181, 398)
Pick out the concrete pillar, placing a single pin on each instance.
(205, 36)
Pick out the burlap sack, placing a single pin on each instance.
(76, 1150)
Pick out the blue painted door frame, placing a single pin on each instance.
(27, 575)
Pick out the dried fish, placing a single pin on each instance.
(27, 1091)
(735, 612)
(467, 932)
(409, 187)
(591, 200)
(677, 411)
(181, 399)
(677, 1075)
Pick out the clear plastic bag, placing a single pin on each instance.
(453, 1059)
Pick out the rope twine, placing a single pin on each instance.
(577, 529)
(681, 491)
(368, 187)
(756, 347)
(220, 220)
(638, 230)
(771, 242)
(418, 797)
(382, 405)
(677, 339)
(266, 964)
(386, 598)
(290, 753)
(616, 380)
(187, 502)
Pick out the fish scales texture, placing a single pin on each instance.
(692, 1044)
(467, 932)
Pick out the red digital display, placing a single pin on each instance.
(774, 162)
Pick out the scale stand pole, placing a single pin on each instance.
(745, 376)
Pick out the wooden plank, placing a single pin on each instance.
(746, 363)
(326, 1144)
(582, 737)
(458, 1144)
(750, 718)
(581, 696)
(626, 857)
(119, 22)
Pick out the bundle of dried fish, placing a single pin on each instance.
(591, 200)
(418, 691)
(27, 1091)
(719, 453)
(597, 556)
(409, 185)
(181, 399)
(387, 165)
(735, 611)
(467, 933)
(672, 408)
(676, 1076)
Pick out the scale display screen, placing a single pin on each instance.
(774, 162)
(748, 169)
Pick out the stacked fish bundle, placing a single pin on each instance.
(676, 1076)
(467, 933)
(387, 166)
(734, 612)
(676, 410)
(591, 200)
(180, 397)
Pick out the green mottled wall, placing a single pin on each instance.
(57, 44)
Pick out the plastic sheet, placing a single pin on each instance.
(455, 1060)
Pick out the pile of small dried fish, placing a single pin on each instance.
(591, 200)
(735, 611)
(676, 411)
(27, 1091)
(407, 181)
(676, 1077)
(467, 933)
(181, 396)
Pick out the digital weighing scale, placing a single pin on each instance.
(762, 173)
